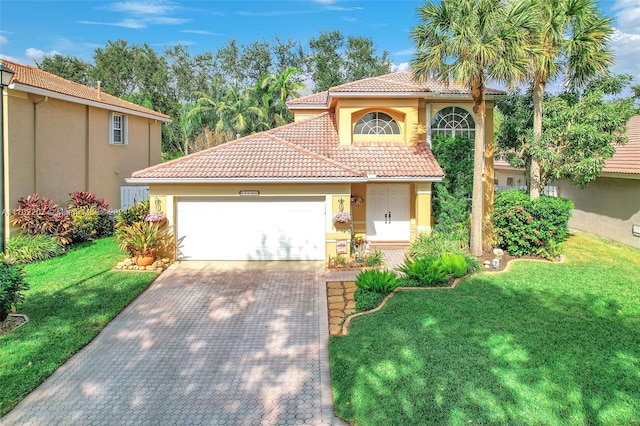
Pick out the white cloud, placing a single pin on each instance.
(403, 66)
(625, 42)
(405, 52)
(351, 20)
(9, 58)
(324, 1)
(125, 23)
(343, 9)
(203, 32)
(143, 8)
(3, 40)
(37, 54)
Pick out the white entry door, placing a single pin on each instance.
(388, 212)
(268, 228)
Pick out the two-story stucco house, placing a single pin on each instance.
(62, 136)
(362, 148)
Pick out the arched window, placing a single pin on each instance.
(453, 121)
(377, 123)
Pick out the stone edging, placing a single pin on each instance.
(23, 316)
(347, 321)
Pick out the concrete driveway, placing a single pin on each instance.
(203, 345)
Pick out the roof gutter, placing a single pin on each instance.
(68, 98)
(425, 95)
(148, 181)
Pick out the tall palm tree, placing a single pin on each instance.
(472, 41)
(573, 37)
(274, 90)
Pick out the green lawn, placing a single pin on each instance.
(542, 344)
(71, 298)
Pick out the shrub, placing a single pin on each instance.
(367, 299)
(91, 216)
(523, 226)
(374, 259)
(33, 248)
(424, 271)
(41, 216)
(135, 213)
(377, 281)
(435, 244)
(12, 284)
(455, 265)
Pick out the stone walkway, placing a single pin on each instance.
(340, 296)
(201, 346)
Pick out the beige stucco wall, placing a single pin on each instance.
(502, 173)
(607, 207)
(55, 147)
(166, 196)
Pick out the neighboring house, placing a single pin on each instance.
(361, 148)
(62, 136)
(608, 206)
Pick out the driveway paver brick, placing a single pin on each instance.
(200, 346)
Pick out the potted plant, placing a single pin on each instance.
(341, 219)
(142, 239)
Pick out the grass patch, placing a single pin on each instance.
(71, 298)
(541, 344)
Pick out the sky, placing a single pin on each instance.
(31, 29)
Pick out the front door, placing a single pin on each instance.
(388, 212)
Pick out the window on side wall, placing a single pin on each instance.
(510, 181)
(118, 129)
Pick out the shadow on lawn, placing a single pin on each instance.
(492, 355)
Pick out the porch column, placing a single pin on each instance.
(423, 207)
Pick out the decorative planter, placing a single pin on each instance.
(144, 260)
(341, 225)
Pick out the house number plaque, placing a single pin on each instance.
(250, 192)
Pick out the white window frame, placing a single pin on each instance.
(451, 120)
(124, 129)
(380, 124)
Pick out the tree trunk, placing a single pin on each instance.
(534, 170)
(477, 91)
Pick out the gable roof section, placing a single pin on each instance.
(393, 84)
(626, 160)
(34, 80)
(304, 150)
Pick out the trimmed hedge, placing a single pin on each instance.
(523, 226)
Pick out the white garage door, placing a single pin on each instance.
(256, 229)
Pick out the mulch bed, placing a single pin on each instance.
(11, 323)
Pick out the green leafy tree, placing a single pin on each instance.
(69, 67)
(256, 62)
(361, 60)
(472, 41)
(571, 37)
(579, 134)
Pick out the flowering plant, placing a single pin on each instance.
(356, 200)
(155, 217)
(341, 217)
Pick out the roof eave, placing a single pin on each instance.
(149, 181)
(621, 175)
(421, 94)
(74, 99)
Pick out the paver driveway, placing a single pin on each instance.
(200, 346)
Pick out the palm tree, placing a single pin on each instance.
(472, 41)
(274, 90)
(571, 36)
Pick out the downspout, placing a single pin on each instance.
(86, 150)
(35, 142)
(149, 143)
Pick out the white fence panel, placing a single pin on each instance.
(549, 190)
(129, 195)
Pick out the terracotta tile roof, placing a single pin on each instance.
(627, 157)
(317, 99)
(305, 149)
(34, 77)
(397, 82)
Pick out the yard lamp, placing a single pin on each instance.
(5, 78)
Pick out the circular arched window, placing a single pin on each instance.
(377, 123)
(453, 121)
